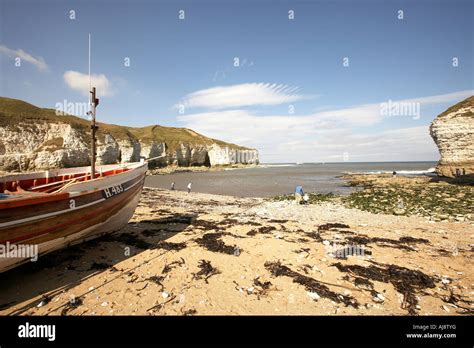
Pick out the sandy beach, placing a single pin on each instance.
(202, 254)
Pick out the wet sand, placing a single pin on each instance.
(202, 254)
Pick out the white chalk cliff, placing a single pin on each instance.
(33, 138)
(453, 133)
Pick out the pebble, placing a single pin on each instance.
(445, 308)
(104, 304)
(165, 294)
(445, 281)
(326, 242)
(379, 298)
(314, 296)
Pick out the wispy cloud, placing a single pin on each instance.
(80, 82)
(324, 135)
(245, 94)
(24, 56)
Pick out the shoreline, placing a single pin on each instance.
(204, 254)
(198, 169)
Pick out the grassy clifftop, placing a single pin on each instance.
(14, 111)
(466, 103)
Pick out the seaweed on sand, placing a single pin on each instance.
(213, 242)
(181, 219)
(315, 236)
(409, 240)
(206, 225)
(157, 280)
(171, 246)
(310, 284)
(206, 271)
(456, 299)
(264, 285)
(330, 225)
(406, 281)
(172, 265)
(261, 230)
(401, 243)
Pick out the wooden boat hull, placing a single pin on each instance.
(84, 211)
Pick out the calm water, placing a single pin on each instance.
(276, 179)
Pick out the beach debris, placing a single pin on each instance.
(445, 308)
(213, 242)
(206, 271)
(310, 284)
(104, 304)
(406, 281)
(172, 265)
(164, 294)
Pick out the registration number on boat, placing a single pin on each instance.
(112, 191)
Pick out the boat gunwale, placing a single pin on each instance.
(16, 202)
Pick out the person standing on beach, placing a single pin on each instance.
(172, 186)
(298, 194)
(189, 187)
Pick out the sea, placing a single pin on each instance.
(269, 180)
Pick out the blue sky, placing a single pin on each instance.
(182, 72)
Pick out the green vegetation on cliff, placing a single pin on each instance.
(14, 111)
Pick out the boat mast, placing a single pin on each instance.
(93, 103)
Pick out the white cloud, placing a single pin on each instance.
(245, 94)
(80, 82)
(324, 135)
(24, 56)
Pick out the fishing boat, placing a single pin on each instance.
(50, 210)
(46, 211)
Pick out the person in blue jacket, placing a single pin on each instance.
(299, 194)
